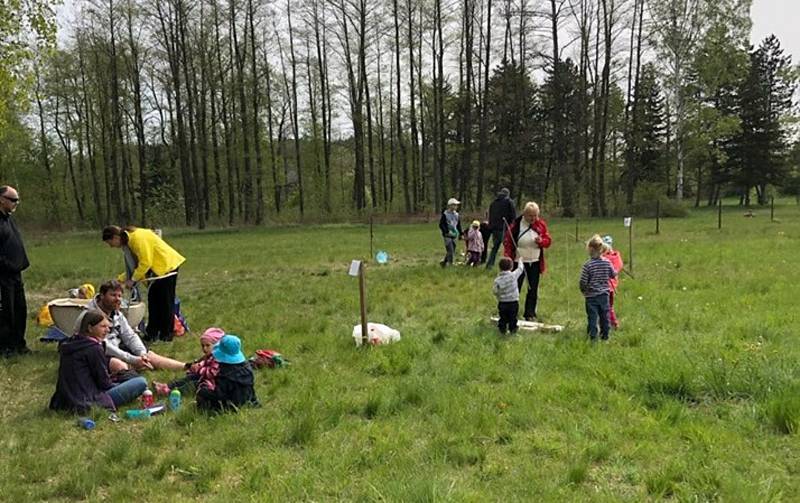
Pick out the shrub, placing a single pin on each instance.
(645, 203)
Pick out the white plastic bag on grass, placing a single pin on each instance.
(378, 334)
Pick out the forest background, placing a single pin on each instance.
(252, 111)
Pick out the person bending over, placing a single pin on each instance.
(149, 256)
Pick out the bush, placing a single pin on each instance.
(646, 201)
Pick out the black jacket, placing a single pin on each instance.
(13, 258)
(502, 207)
(234, 388)
(82, 376)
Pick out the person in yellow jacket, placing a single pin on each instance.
(148, 256)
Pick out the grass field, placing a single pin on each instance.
(696, 398)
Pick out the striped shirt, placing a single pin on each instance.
(594, 277)
(505, 286)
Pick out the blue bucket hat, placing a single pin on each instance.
(229, 350)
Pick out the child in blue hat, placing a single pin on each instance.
(234, 383)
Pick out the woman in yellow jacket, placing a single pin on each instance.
(149, 256)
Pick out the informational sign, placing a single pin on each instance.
(354, 268)
(627, 221)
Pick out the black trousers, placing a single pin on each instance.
(161, 309)
(186, 384)
(13, 313)
(508, 315)
(531, 299)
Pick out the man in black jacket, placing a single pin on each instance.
(13, 260)
(501, 212)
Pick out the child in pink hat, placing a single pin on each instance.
(203, 371)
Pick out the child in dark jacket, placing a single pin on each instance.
(234, 383)
(450, 226)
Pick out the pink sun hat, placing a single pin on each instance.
(212, 335)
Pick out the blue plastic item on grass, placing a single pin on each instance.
(86, 423)
(381, 257)
(138, 414)
(175, 399)
(53, 334)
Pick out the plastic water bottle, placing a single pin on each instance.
(86, 423)
(138, 414)
(175, 399)
(147, 399)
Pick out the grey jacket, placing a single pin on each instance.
(505, 286)
(122, 342)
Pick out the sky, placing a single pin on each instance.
(779, 17)
(769, 16)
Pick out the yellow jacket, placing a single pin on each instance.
(152, 253)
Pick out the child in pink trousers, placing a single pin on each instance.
(474, 244)
(613, 256)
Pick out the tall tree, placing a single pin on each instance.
(398, 107)
(295, 113)
(765, 101)
(678, 25)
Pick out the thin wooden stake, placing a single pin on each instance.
(630, 247)
(362, 290)
(719, 214)
(772, 210)
(658, 215)
(371, 254)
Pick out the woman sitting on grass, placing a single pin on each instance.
(83, 378)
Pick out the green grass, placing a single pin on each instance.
(696, 398)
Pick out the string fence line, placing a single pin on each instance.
(567, 267)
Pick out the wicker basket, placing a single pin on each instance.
(65, 311)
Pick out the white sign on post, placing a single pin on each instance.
(354, 267)
(627, 221)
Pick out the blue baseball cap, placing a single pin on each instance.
(229, 350)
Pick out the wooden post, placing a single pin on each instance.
(658, 215)
(772, 210)
(719, 214)
(630, 247)
(371, 254)
(362, 290)
(576, 230)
